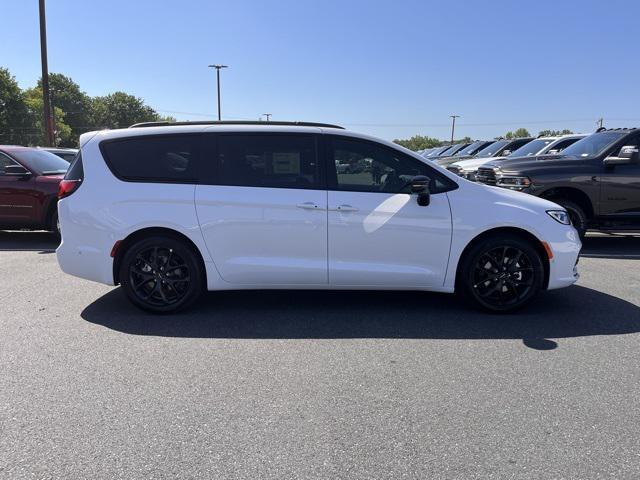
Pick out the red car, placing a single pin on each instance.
(29, 179)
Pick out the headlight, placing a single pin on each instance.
(560, 216)
(513, 182)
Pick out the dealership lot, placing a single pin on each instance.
(318, 384)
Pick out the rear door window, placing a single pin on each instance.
(158, 158)
(272, 161)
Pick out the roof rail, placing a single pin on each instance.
(235, 122)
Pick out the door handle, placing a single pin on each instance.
(345, 208)
(308, 206)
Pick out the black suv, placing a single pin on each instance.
(597, 179)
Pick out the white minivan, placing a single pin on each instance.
(168, 211)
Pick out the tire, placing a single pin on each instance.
(576, 213)
(54, 224)
(172, 270)
(501, 273)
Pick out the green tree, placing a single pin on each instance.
(520, 132)
(121, 110)
(34, 103)
(76, 105)
(554, 133)
(418, 142)
(15, 121)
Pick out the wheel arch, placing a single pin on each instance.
(147, 232)
(573, 194)
(520, 232)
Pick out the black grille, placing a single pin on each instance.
(486, 175)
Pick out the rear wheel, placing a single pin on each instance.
(576, 214)
(501, 273)
(161, 274)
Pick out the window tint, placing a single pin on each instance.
(560, 146)
(515, 144)
(4, 162)
(366, 167)
(276, 161)
(76, 170)
(531, 148)
(471, 149)
(170, 158)
(635, 141)
(594, 144)
(490, 150)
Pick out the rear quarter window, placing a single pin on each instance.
(157, 158)
(76, 170)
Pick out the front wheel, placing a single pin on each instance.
(501, 273)
(161, 274)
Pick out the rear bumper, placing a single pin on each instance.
(84, 252)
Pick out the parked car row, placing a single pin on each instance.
(596, 177)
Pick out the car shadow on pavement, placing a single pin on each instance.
(573, 312)
(16, 241)
(613, 246)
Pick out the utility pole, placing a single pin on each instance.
(600, 122)
(48, 124)
(453, 125)
(218, 68)
(52, 92)
(268, 115)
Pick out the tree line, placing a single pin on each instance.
(74, 112)
(421, 142)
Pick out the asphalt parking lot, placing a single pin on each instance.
(318, 384)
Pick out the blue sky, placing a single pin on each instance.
(388, 68)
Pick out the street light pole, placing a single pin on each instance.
(453, 125)
(268, 115)
(48, 126)
(218, 68)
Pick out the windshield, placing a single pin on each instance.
(42, 162)
(471, 149)
(593, 145)
(444, 152)
(492, 149)
(436, 151)
(532, 147)
(451, 150)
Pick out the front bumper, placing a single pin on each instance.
(563, 267)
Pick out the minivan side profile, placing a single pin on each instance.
(170, 211)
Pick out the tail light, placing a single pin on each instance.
(67, 187)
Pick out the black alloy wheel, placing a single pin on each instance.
(161, 275)
(502, 274)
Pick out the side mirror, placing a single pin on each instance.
(628, 154)
(631, 153)
(16, 171)
(420, 185)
